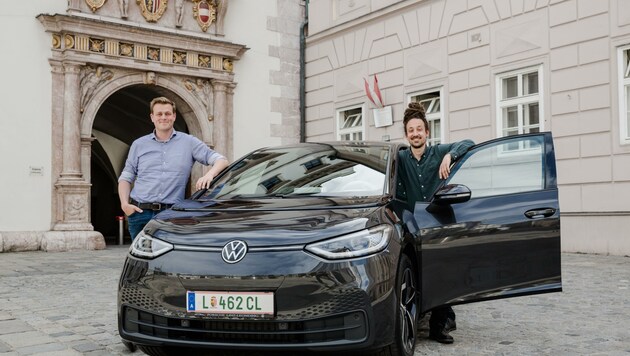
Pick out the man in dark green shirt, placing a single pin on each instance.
(421, 169)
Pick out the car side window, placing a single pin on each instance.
(504, 167)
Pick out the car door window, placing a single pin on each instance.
(505, 167)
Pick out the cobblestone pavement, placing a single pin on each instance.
(65, 304)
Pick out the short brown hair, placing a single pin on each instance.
(415, 111)
(161, 100)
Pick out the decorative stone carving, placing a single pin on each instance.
(204, 61)
(112, 47)
(56, 41)
(221, 10)
(152, 10)
(204, 12)
(228, 65)
(150, 78)
(69, 41)
(123, 5)
(75, 208)
(97, 45)
(95, 4)
(91, 79)
(153, 53)
(203, 90)
(179, 57)
(179, 10)
(126, 49)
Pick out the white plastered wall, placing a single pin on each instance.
(26, 123)
(252, 106)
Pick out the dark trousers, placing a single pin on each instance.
(439, 316)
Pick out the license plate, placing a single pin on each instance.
(250, 303)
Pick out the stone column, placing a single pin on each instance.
(220, 127)
(71, 123)
(86, 159)
(230, 120)
(71, 226)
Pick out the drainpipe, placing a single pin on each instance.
(303, 30)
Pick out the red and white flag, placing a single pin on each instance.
(374, 94)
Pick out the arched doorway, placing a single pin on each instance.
(122, 118)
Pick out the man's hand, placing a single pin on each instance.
(445, 167)
(130, 208)
(217, 167)
(204, 182)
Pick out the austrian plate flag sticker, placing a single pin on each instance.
(190, 301)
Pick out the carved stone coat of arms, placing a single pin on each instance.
(152, 10)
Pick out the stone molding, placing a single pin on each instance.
(131, 45)
(50, 241)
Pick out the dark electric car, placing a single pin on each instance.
(307, 247)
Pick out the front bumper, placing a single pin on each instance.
(319, 305)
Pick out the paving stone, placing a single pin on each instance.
(13, 326)
(38, 349)
(4, 347)
(86, 347)
(23, 339)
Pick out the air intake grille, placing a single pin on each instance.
(348, 327)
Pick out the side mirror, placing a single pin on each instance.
(451, 194)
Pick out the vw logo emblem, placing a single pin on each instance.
(234, 251)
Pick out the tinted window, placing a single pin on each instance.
(507, 167)
(312, 169)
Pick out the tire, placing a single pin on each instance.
(160, 351)
(131, 347)
(407, 311)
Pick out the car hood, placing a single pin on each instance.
(264, 222)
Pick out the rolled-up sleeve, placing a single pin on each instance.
(130, 171)
(458, 149)
(204, 154)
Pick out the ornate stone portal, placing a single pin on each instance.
(94, 60)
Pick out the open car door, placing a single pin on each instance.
(492, 229)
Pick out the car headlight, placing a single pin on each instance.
(146, 246)
(353, 245)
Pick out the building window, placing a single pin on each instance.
(350, 124)
(624, 94)
(519, 108)
(432, 102)
(270, 183)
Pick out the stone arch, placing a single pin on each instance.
(188, 104)
(190, 108)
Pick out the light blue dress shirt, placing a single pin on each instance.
(159, 171)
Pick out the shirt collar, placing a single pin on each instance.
(427, 148)
(154, 138)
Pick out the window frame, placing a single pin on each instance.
(623, 72)
(340, 116)
(520, 100)
(434, 116)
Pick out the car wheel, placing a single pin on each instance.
(407, 309)
(160, 351)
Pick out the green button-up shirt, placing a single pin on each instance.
(418, 179)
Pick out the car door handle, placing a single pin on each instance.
(540, 213)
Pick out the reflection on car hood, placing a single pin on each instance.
(262, 223)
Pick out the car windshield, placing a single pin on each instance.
(314, 169)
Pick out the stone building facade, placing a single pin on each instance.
(80, 75)
(485, 69)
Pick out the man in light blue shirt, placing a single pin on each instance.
(159, 165)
